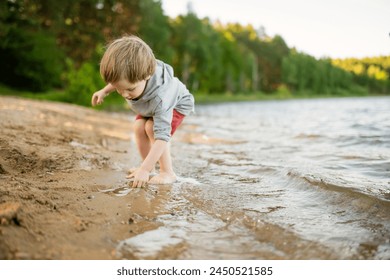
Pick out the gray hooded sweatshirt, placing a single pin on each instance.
(163, 93)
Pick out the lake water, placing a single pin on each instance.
(295, 179)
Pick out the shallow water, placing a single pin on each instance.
(297, 179)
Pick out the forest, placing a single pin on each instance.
(48, 44)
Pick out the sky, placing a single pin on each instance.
(321, 28)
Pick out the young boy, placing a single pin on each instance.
(160, 100)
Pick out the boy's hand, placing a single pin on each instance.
(141, 177)
(98, 97)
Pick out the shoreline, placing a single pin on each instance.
(63, 193)
(64, 196)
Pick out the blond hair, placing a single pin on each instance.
(127, 58)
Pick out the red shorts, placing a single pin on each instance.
(177, 119)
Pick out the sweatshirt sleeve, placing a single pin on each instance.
(162, 119)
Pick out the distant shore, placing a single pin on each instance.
(116, 103)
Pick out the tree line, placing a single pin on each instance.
(48, 43)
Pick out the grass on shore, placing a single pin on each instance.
(115, 103)
(278, 95)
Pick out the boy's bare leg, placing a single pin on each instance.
(167, 175)
(142, 140)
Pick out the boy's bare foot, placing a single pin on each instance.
(163, 179)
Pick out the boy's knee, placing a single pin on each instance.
(139, 127)
(149, 128)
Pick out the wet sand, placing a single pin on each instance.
(54, 159)
(63, 195)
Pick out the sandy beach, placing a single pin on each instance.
(64, 195)
(63, 192)
(56, 161)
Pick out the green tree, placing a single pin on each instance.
(267, 52)
(304, 73)
(198, 55)
(29, 55)
(372, 73)
(154, 28)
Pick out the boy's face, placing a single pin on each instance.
(129, 90)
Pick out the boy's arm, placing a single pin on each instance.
(108, 88)
(154, 155)
(141, 175)
(97, 97)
